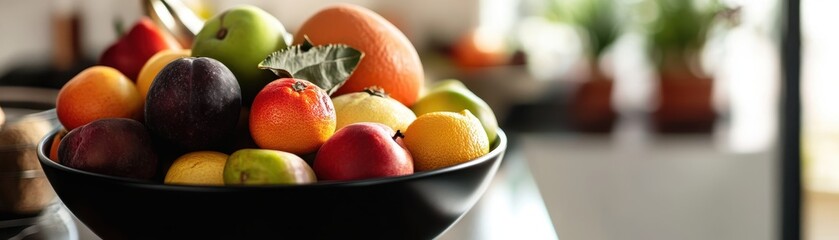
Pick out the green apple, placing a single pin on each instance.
(241, 37)
(452, 96)
(264, 166)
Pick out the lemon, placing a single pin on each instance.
(197, 168)
(441, 139)
(452, 96)
(371, 105)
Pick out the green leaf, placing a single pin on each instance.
(327, 66)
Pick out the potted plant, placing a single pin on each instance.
(599, 23)
(676, 38)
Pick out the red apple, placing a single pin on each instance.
(133, 49)
(361, 151)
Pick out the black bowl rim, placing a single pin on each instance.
(501, 143)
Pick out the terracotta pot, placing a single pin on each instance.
(591, 106)
(685, 104)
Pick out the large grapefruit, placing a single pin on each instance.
(390, 60)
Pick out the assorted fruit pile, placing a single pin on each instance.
(246, 104)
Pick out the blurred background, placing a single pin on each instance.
(628, 119)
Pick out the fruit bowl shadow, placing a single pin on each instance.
(418, 206)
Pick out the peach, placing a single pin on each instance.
(95, 93)
(114, 146)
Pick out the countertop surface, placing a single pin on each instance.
(657, 187)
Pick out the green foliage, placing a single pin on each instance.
(327, 66)
(680, 26)
(599, 18)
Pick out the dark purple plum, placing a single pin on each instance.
(193, 103)
(112, 146)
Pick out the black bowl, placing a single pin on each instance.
(418, 206)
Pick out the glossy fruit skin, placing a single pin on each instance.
(197, 168)
(95, 93)
(153, 67)
(390, 60)
(113, 146)
(241, 38)
(452, 96)
(362, 151)
(132, 50)
(55, 142)
(263, 166)
(442, 139)
(283, 118)
(372, 106)
(193, 103)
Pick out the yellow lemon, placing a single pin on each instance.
(154, 65)
(441, 139)
(197, 168)
(372, 105)
(452, 96)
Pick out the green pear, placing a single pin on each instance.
(452, 96)
(264, 166)
(241, 38)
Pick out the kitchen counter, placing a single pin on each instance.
(655, 187)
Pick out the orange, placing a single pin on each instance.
(292, 115)
(479, 49)
(390, 60)
(95, 93)
(154, 65)
(441, 139)
(197, 168)
(56, 141)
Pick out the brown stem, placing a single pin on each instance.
(299, 86)
(222, 31)
(376, 91)
(398, 135)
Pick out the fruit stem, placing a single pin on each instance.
(298, 86)
(222, 32)
(376, 91)
(398, 135)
